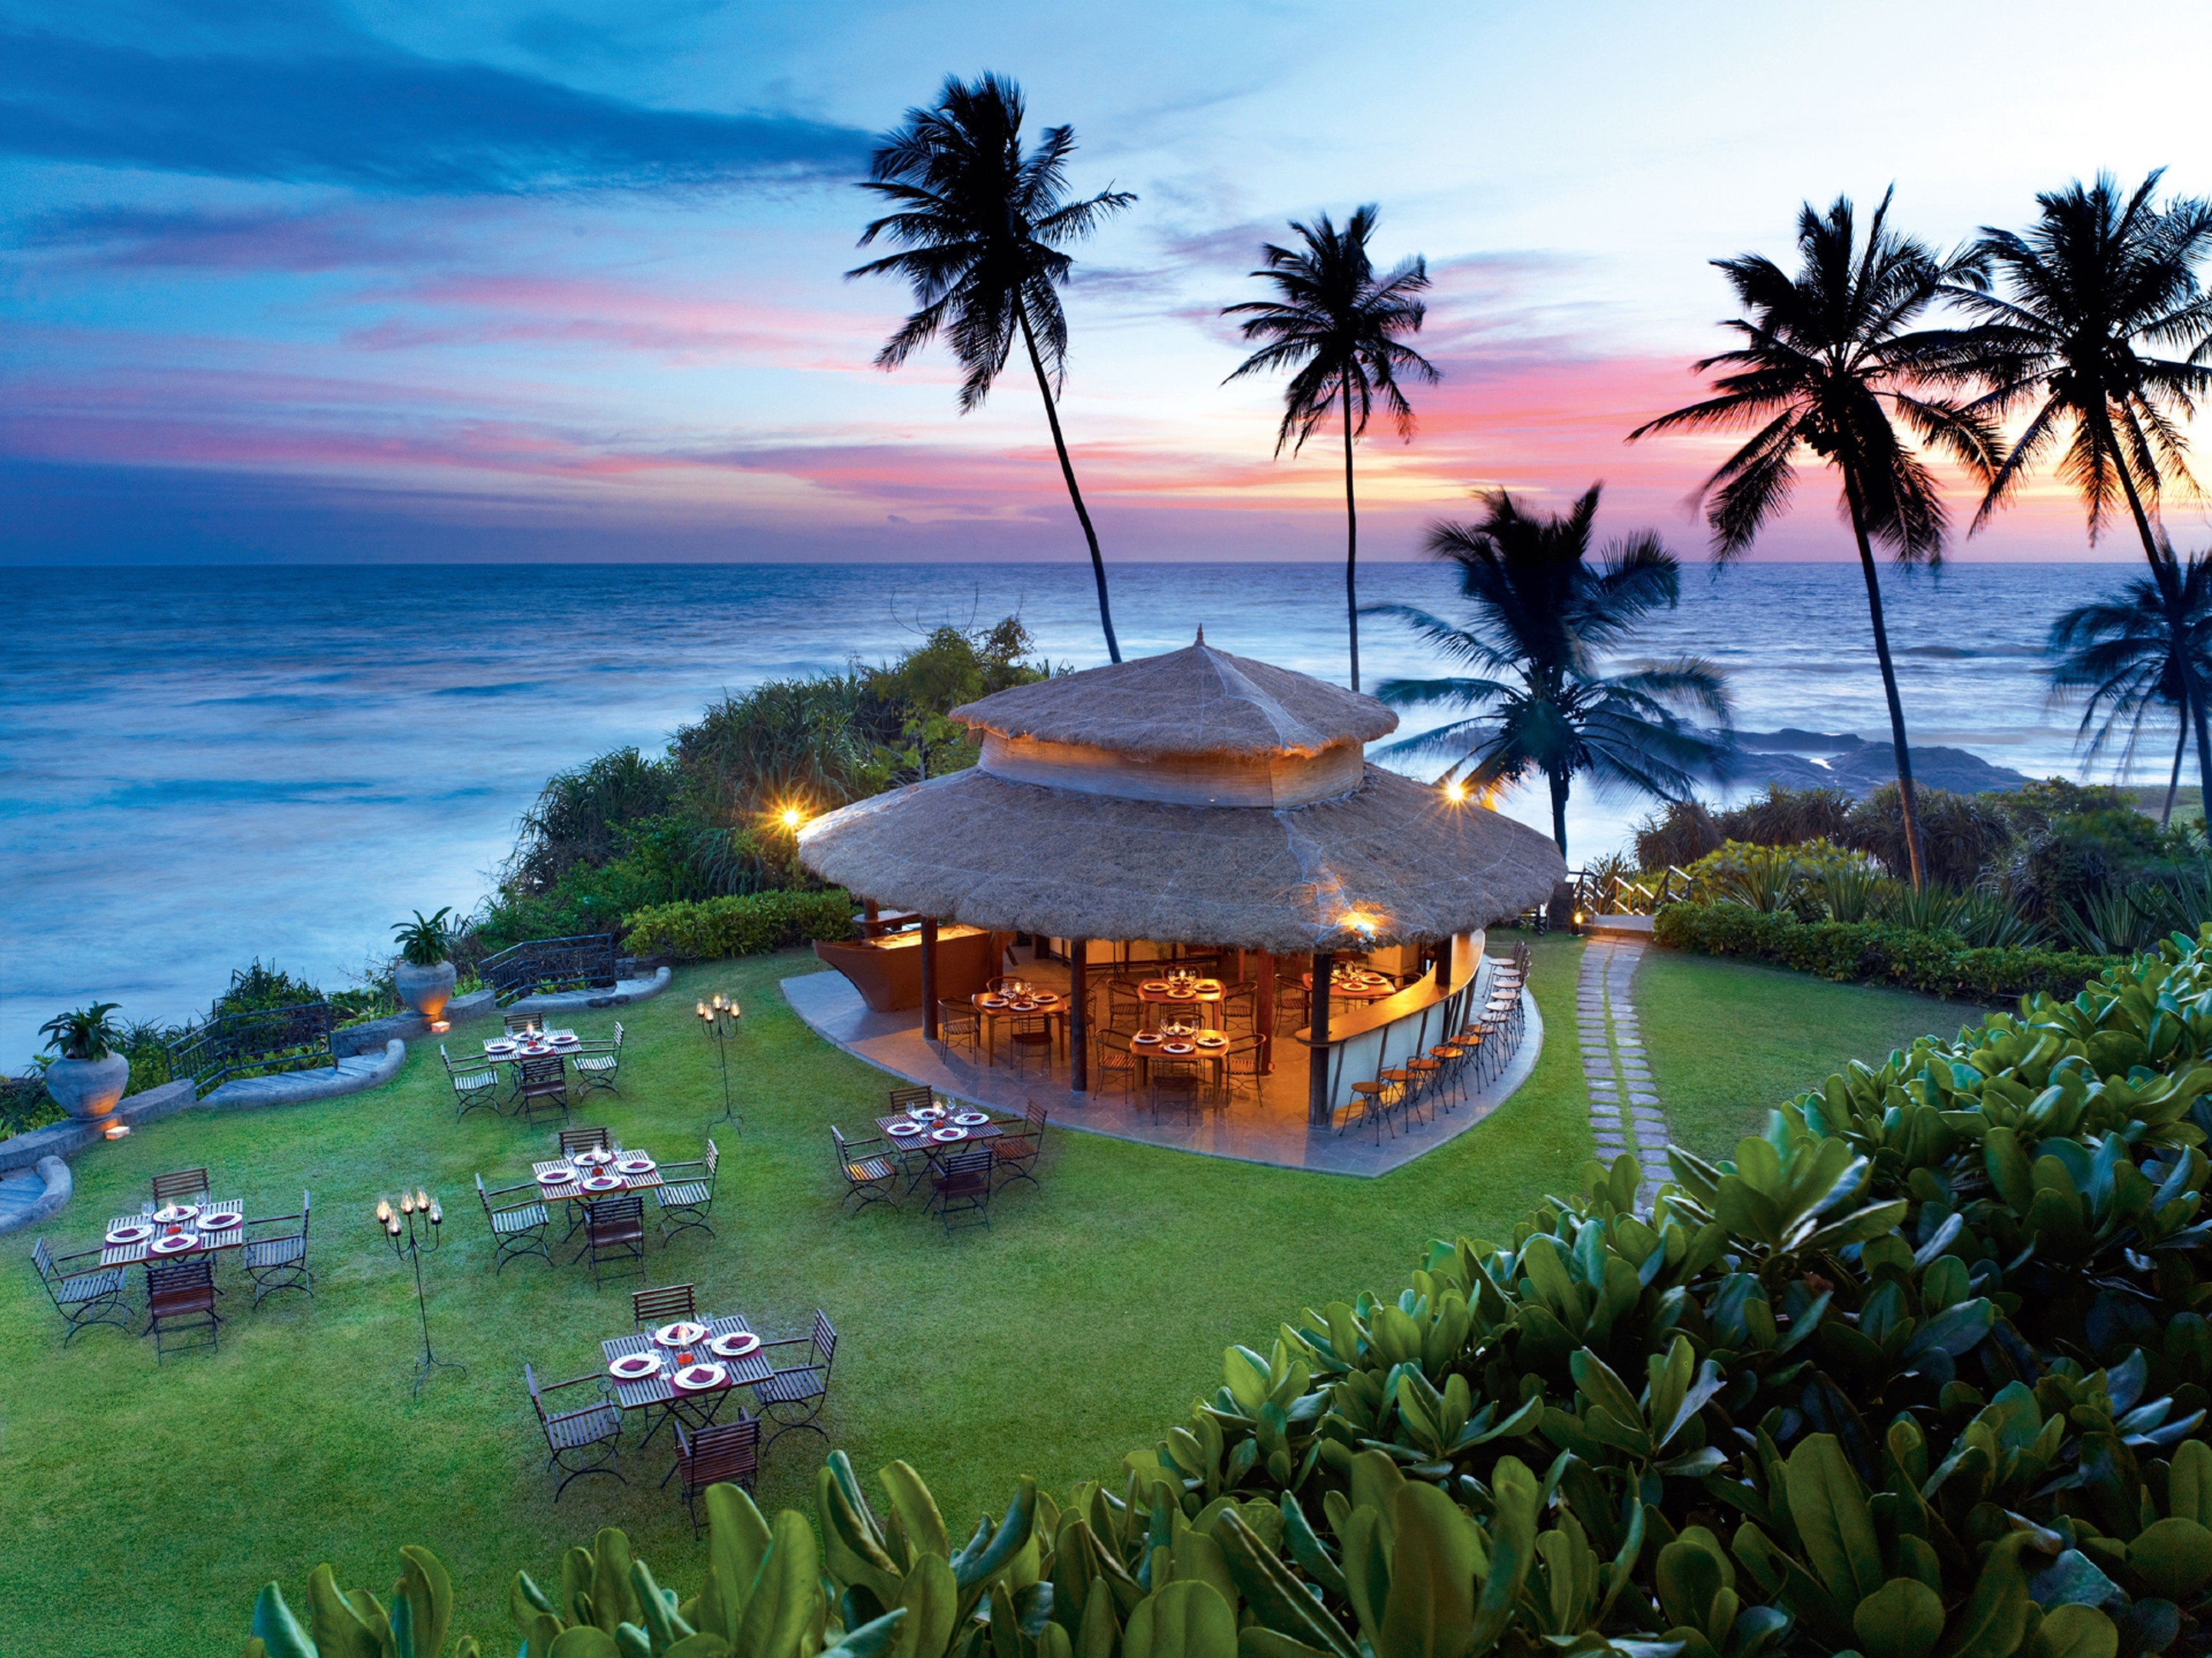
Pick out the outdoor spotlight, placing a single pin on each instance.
(791, 818)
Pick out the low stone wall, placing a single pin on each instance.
(407, 1027)
(56, 1186)
(67, 1139)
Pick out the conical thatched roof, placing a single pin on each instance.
(1196, 700)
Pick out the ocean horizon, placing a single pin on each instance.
(202, 765)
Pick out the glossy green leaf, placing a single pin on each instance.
(1828, 1505)
(2074, 1631)
(1903, 1619)
(1183, 1620)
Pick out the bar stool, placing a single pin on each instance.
(1403, 1080)
(1428, 1076)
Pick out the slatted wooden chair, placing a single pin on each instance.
(180, 1299)
(1125, 1008)
(1240, 1065)
(1176, 1085)
(717, 1454)
(583, 1438)
(961, 1185)
(1014, 1155)
(278, 1260)
(614, 1230)
(793, 1397)
(1114, 1060)
(870, 1176)
(905, 1099)
(1240, 1006)
(685, 1198)
(1031, 1038)
(651, 1309)
(542, 1084)
(598, 1063)
(573, 1140)
(83, 1297)
(516, 1228)
(180, 1186)
(1293, 1006)
(519, 1023)
(474, 1084)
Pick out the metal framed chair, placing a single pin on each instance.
(583, 1439)
(180, 1297)
(180, 1186)
(1015, 1156)
(870, 1176)
(959, 1022)
(518, 1023)
(1241, 1064)
(961, 1185)
(614, 1230)
(1175, 1084)
(85, 1299)
(793, 1398)
(1031, 1037)
(598, 1063)
(1114, 1059)
(278, 1260)
(473, 1085)
(1125, 1007)
(573, 1140)
(1240, 1006)
(1293, 1006)
(720, 1453)
(904, 1099)
(541, 1083)
(518, 1229)
(686, 1202)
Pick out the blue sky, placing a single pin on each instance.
(313, 281)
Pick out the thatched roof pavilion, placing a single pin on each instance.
(1195, 798)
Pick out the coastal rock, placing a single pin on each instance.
(1784, 758)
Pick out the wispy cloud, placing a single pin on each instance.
(362, 113)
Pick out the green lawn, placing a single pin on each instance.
(1730, 1041)
(147, 1505)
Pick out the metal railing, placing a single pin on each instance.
(256, 1043)
(584, 962)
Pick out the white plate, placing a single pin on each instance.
(565, 1041)
(907, 1131)
(1176, 1048)
(499, 1050)
(635, 1166)
(741, 1345)
(593, 1154)
(176, 1211)
(137, 1232)
(634, 1367)
(948, 1135)
(971, 1119)
(557, 1177)
(602, 1183)
(219, 1220)
(177, 1244)
(681, 1333)
(1213, 1041)
(698, 1378)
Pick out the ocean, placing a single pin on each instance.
(202, 766)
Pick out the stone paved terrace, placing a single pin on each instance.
(1270, 1129)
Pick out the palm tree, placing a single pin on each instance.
(1539, 614)
(1831, 364)
(1337, 324)
(2134, 655)
(982, 223)
(2090, 296)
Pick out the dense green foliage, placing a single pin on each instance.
(83, 1032)
(1935, 962)
(627, 832)
(711, 929)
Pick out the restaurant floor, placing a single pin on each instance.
(1268, 1129)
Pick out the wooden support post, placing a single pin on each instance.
(1318, 1110)
(1444, 963)
(1078, 1015)
(929, 978)
(1266, 1020)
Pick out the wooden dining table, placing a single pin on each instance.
(1052, 1008)
(932, 1150)
(1147, 1046)
(203, 1243)
(658, 1391)
(1342, 989)
(1160, 997)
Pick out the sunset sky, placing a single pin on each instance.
(499, 281)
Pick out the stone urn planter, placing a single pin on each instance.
(425, 989)
(88, 1089)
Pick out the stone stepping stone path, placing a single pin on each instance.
(1625, 1111)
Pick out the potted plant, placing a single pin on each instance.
(89, 1076)
(422, 976)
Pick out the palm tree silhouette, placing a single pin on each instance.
(1831, 363)
(2134, 656)
(1337, 324)
(2076, 311)
(1540, 614)
(982, 224)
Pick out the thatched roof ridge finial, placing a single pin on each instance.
(1198, 701)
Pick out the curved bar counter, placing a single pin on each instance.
(1363, 1044)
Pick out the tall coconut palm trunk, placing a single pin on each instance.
(1075, 495)
(1908, 805)
(2169, 582)
(1352, 545)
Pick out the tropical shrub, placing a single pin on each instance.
(711, 928)
(424, 941)
(25, 1104)
(83, 1032)
(1771, 878)
(1874, 952)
